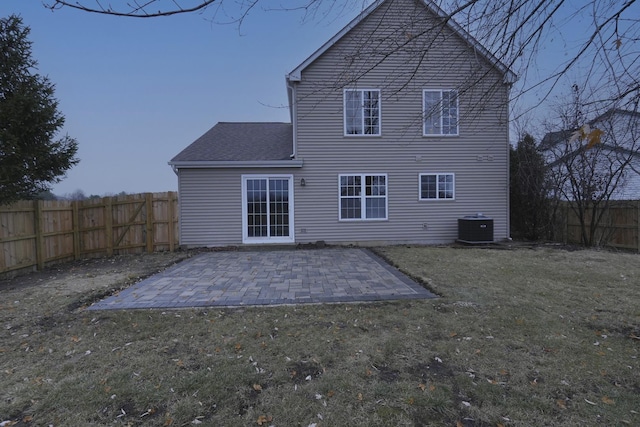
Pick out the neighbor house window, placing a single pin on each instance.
(361, 112)
(440, 112)
(437, 186)
(363, 196)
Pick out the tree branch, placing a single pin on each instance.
(135, 10)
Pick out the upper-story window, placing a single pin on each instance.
(440, 112)
(362, 112)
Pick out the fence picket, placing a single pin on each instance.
(620, 227)
(34, 234)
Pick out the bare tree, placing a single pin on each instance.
(76, 195)
(592, 165)
(234, 11)
(599, 37)
(136, 9)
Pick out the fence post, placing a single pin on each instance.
(108, 224)
(149, 202)
(75, 220)
(170, 214)
(39, 227)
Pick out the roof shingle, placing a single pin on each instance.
(241, 142)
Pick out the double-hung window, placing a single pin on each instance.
(437, 186)
(363, 197)
(361, 112)
(440, 109)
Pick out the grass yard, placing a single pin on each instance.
(520, 337)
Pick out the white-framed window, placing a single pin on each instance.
(440, 109)
(437, 186)
(362, 196)
(362, 112)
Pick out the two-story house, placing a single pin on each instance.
(399, 127)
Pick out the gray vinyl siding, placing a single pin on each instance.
(211, 205)
(478, 156)
(211, 199)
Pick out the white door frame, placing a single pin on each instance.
(245, 226)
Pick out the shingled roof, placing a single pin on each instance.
(240, 142)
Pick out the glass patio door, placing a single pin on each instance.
(267, 209)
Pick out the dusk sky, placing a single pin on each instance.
(135, 92)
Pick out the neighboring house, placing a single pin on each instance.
(609, 169)
(399, 127)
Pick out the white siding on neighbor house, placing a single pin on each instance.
(617, 157)
(631, 188)
(211, 204)
(478, 156)
(622, 130)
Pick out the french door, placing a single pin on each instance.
(267, 209)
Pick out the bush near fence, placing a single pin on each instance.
(37, 233)
(619, 228)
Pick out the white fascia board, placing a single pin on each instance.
(237, 164)
(296, 74)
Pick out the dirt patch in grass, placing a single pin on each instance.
(83, 282)
(304, 371)
(519, 336)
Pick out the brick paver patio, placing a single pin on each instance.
(247, 278)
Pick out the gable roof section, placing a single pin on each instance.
(509, 76)
(553, 139)
(239, 145)
(633, 115)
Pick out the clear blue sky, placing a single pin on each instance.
(137, 91)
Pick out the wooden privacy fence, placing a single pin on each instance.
(619, 228)
(36, 233)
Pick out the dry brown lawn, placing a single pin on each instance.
(519, 337)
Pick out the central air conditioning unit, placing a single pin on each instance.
(475, 229)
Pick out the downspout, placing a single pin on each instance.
(293, 115)
(174, 168)
(509, 86)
